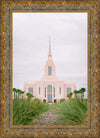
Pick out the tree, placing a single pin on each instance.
(29, 95)
(19, 92)
(70, 95)
(22, 92)
(82, 90)
(76, 92)
(15, 91)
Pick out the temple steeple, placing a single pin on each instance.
(49, 72)
(49, 53)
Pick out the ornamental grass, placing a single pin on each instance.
(25, 110)
(72, 112)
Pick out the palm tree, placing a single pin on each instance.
(22, 92)
(82, 90)
(19, 92)
(29, 95)
(76, 92)
(70, 95)
(14, 90)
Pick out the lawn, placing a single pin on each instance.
(24, 110)
(72, 112)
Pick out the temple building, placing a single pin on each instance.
(50, 88)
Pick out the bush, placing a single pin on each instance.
(72, 112)
(62, 100)
(25, 110)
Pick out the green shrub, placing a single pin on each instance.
(62, 100)
(25, 110)
(72, 112)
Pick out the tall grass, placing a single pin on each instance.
(72, 112)
(24, 110)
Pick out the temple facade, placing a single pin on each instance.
(50, 88)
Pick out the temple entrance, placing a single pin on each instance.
(49, 94)
(44, 101)
(55, 100)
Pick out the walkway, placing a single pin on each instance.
(48, 118)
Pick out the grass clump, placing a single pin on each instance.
(24, 110)
(72, 112)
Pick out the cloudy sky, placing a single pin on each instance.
(68, 33)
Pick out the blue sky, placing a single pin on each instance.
(68, 33)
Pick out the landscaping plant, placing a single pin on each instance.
(24, 110)
(72, 112)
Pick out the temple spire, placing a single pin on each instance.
(49, 54)
(49, 43)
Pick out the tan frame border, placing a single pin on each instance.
(2, 48)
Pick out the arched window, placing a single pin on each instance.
(59, 90)
(49, 70)
(49, 88)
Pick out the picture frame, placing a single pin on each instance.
(9, 130)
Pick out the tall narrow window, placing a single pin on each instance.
(59, 90)
(39, 90)
(49, 70)
(49, 88)
(45, 92)
(54, 92)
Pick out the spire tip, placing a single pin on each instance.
(49, 54)
(49, 43)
